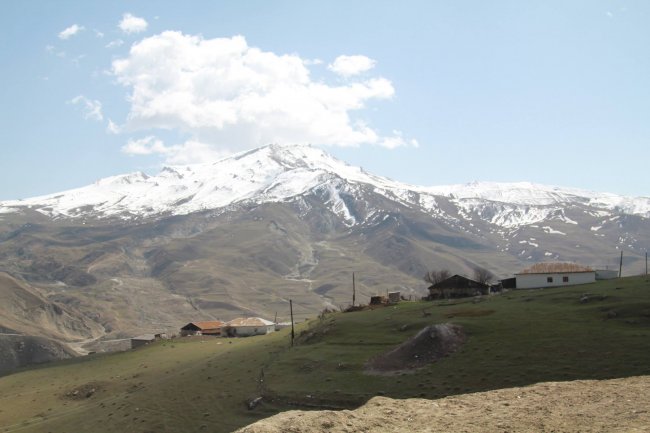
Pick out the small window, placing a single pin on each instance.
(565, 279)
(549, 279)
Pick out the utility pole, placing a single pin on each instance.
(620, 266)
(354, 290)
(646, 263)
(293, 334)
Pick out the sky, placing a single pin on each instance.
(424, 92)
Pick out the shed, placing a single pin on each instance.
(393, 297)
(509, 283)
(244, 327)
(211, 327)
(457, 286)
(142, 340)
(552, 274)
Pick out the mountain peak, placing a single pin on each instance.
(277, 173)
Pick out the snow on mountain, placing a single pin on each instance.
(277, 173)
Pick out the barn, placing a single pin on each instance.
(244, 327)
(142, 340)
(457, 286)
(211, 327)
(554, 274)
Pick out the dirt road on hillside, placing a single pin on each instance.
(618, 405)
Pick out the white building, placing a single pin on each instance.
(244, 327)
(554, 275)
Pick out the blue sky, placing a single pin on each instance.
(429, 92)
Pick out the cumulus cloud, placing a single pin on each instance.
(132, 24)
(70, 31)
(92, 109)
(348, 66)
(224, 93)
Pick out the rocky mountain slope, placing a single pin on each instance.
(34, 328)
(242, 236)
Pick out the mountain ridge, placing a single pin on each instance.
(277, 173)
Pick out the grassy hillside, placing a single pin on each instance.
(195, 385)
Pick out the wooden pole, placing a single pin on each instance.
(293, 334)
(646, 263)
(354, 290)
(620, 266)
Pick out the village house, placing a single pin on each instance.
(554, 275)
(142, 340)
(244, 327)
(212, 327)
(457, 286)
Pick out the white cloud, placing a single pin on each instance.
(99, 34)
(222, 93)
(92, 109)
(396, 140)
(112, 127)
(70, 31)
(192, 152)
(145, 146)
(132, 24)
(189, 152)
(114, 44)
(348, 66)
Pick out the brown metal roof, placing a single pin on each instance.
(555, 268)
(210, 324)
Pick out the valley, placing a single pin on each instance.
(196, 384)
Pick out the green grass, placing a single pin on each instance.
(195, 385)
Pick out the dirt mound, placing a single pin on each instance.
(82, 392)
(618, 405)
(430, 344)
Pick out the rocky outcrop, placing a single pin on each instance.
(19, 350)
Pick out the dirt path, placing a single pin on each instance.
(618, 405)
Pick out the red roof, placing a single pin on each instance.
(205, 325)
(212, 324)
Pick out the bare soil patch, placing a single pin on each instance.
(607, 406)
(427, 346)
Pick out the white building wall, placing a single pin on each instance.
(532, 281)
(245, 331)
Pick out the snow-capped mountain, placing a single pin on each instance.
(277, 173)
(241, 236)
